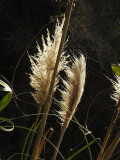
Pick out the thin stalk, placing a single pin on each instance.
(59, 141)
(107, 155)
(48, 101)
(115, 116)
(24, 146)
(61, 137)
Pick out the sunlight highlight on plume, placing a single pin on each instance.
(74, 88)
(43, 63)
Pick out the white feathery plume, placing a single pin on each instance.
(5, 86)
(43, 63)
(72, 94)
(74, 88)
(116, 84)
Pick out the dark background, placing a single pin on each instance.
(95, 31)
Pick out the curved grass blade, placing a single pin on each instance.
(26, 142)
(81, 149)
(5, 101)
(13, 155)
(6, 128)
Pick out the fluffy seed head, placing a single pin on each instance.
(74, 88)
(43, 63)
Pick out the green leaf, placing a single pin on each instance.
(116, 69)
(81, 149)
(6, 128)
(5, 101)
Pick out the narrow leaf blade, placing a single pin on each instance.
(81, 149)
(116, 69)
(5, 101)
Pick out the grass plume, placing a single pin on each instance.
(116, 95)
(74, 88)
(52, 82)
(43, 64)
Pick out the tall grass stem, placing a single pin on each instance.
(60, 140)
(48, 101)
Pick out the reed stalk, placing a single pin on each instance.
(50, 92)
(59, 141)
(72, 94)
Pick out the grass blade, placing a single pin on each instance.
(6, 128)
(5, 101)
(26, 141)
(81, 149)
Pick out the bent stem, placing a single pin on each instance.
(49, 97)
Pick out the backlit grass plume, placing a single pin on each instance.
(74, 88)
(116, 95)
(43, 63)
(72, 94)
